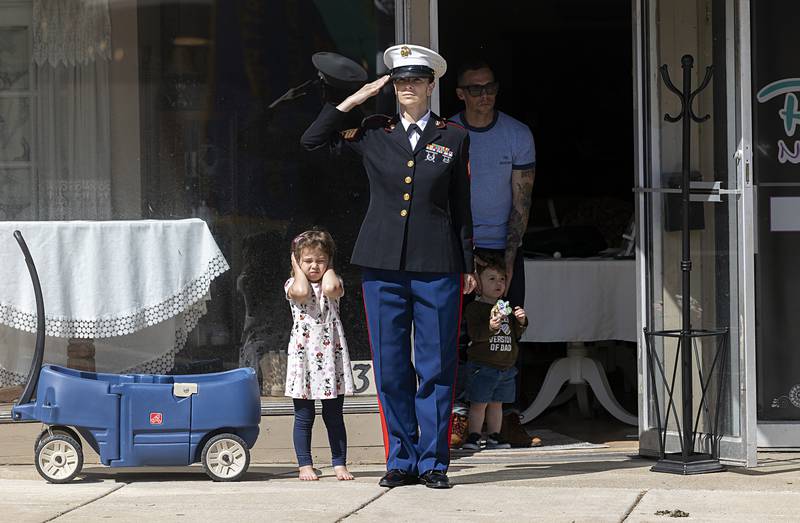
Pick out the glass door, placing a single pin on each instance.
(777, 178)
(711, 32)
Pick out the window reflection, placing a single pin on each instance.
(196, 111)
(233, 87)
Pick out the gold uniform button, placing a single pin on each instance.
(408, 179)
(404, 213)
(410, 163)
(406, 196)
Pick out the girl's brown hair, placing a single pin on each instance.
(314, 239)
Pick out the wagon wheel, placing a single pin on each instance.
(225, 457)
(56, 430)
(58, 458)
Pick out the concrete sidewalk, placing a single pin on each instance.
(515, 485)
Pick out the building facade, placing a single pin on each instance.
(157, 110)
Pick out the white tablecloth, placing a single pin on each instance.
(136, 287)
(580, 299)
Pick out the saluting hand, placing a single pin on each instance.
(366, 92)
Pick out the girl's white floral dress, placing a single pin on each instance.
(318, 365)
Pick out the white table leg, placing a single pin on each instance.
(579, 369)
(594, 374)
(557, 374)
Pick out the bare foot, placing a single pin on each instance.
(307, 473)
(342, 474)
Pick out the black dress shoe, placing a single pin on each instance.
(397, 478)
(435, 479)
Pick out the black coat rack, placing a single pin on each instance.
(687, 461)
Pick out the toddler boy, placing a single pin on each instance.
(494, 330)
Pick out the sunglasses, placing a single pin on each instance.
(476, 90)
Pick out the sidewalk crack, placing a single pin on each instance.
(101, 496)
(633, 505)
(371, 500)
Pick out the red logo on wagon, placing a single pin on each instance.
(156, 418)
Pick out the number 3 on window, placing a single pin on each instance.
(361, 377)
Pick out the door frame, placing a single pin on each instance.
(747, 228)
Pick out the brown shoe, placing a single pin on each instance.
(513, 432)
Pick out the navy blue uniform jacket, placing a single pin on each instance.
(419, 216)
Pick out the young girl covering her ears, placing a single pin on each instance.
(318, 366)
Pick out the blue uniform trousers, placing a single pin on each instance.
(416, 400)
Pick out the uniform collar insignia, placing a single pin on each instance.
(392, 123)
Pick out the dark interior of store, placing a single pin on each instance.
(565, 70)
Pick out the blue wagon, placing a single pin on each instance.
(134, 420)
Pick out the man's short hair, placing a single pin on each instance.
(472, 65)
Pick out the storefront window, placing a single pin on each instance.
(173, 110)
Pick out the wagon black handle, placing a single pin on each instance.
(38, 356)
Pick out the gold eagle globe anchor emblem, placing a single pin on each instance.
(405, 51)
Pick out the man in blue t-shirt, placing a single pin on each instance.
(503, 165)
(502, 159)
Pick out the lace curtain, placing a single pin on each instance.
(71, 52)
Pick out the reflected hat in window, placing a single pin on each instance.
(407, 60)
(339, 71)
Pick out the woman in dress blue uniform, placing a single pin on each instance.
(415, 246)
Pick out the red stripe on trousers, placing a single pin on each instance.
(458, 331)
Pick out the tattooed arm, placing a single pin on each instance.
(521, 188)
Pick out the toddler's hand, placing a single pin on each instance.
(495, 321)
(519, 313)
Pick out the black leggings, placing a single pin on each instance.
(334, 421)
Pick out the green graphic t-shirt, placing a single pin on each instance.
(495, 349)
